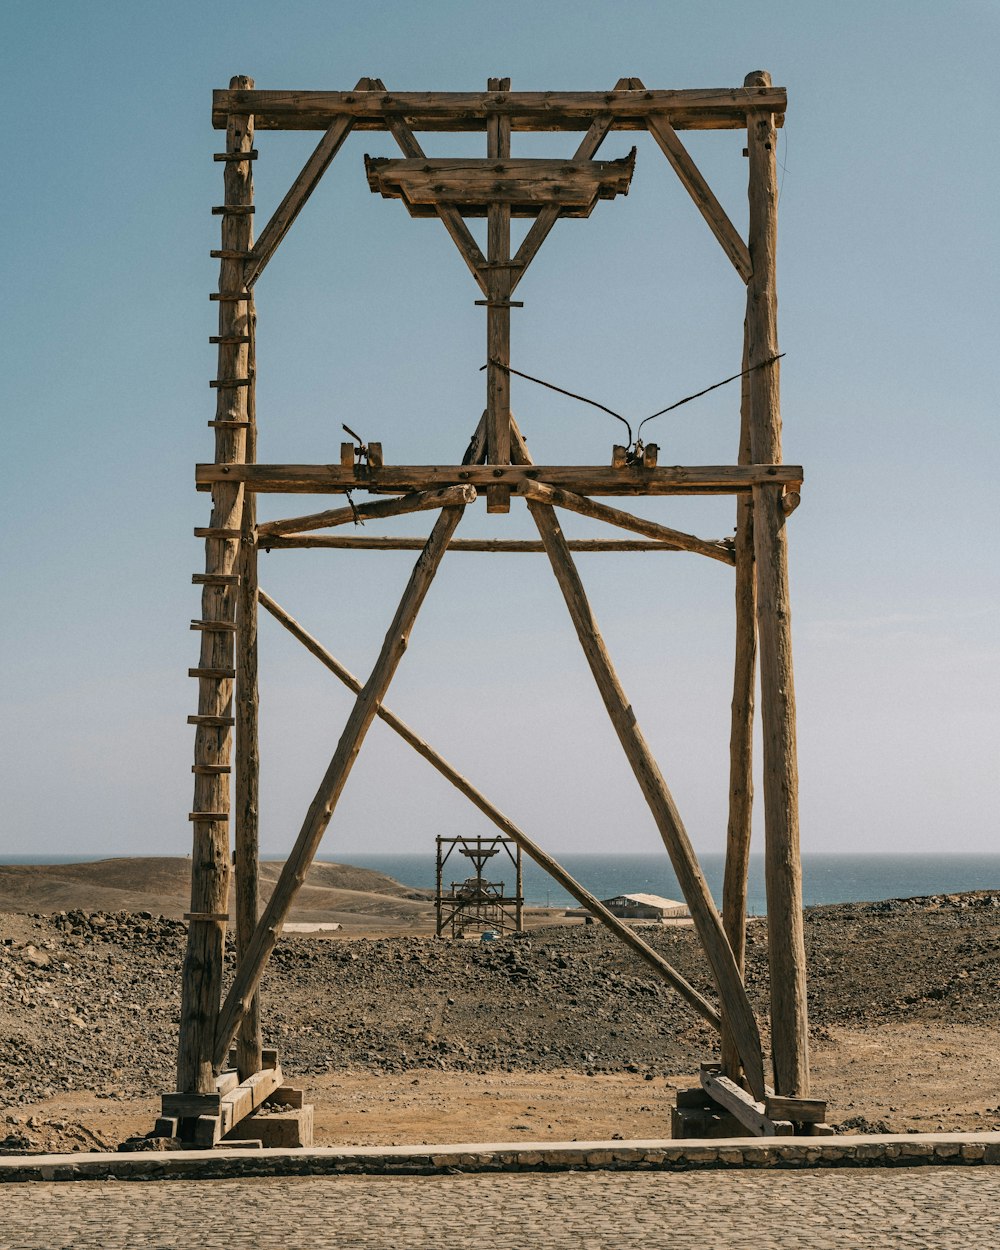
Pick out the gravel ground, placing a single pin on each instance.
(89, 1001)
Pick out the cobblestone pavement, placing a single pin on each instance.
(939, 1207)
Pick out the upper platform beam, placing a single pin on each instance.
(322, 479)
(723, 108)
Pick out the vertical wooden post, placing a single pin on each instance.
(249, 1040)
(437, 893)
(519, 890)
(498, 289)
(734, 886)
(202, 977)
(783, 870)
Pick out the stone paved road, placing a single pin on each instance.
(938, 1207)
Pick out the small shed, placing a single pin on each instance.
(639, 907)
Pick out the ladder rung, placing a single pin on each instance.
(230, 297)
(211, 770)
(232, 210)
(212, 722)
(215, 579)
(209, 816)
(215, 627)
(228, 253)
(228, 384)
(230, 425)
(250, 155)
(207, 531)
(229, 340)
(219, 674)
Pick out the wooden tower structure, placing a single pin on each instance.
(497, 465)
(475, 902)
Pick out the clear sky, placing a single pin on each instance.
(888, 315)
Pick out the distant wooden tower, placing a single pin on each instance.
(209, 1100)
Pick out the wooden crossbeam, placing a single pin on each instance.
(722, 108)
(235, 1105)
(485, 546)
(702, 194)
(625, 520)
(419, 501)
(293, 874)
(502, 822)
(299, 192)
(451, 217)
(581, 479)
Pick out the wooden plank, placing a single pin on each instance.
(661, 804)
(506, 826)
(581, 479)
(715, 550)
(235, 1106)
(740, 814)
(419, 501)
(498, 546)
(293, 873)
(450, 217)
(201, 984)
(187, 1106)
(299, 192)
(722, 108)
(522, 184)
(782, 864)
(798, 1110)
(746, 1109)
(498, 287)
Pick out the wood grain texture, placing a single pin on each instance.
(722, 108)
(318, 479)
(782, 865)
(545, 861)
(749, 1111)
(299, 192)
(714, 549)
(249, 1040)
(210, 860)
(482, 546)
(706, 919)
(321, 809)
(498, 287)
(419, 501)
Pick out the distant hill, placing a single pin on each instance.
(162, 884)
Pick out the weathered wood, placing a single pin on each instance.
(321, 809)
(318, 479)
(211, 672)
(299, 192)
(699, 190)
(545, 861)
(747, 1110)
(420, 501)
(548, 217)
(715, 550)
(210, 860)
(722, 108)
(236, 1105)
(217, 722)
(661, 804)
(186, 1106)
(215, 579)
(504, 546)
(450, 217)
(782, 865)
(525, 185)
(498, 287)
(249, 1039)
(798, 1110)
(740, 820)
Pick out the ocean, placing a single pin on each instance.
(826, 878)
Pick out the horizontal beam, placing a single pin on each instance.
(321, 479)
(449, 497)
(723, 108)
(743, 1106)
(484, 545)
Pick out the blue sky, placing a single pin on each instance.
(888, 315)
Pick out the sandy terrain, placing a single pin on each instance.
(559, 1033)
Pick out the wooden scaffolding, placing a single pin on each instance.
(496, 464)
